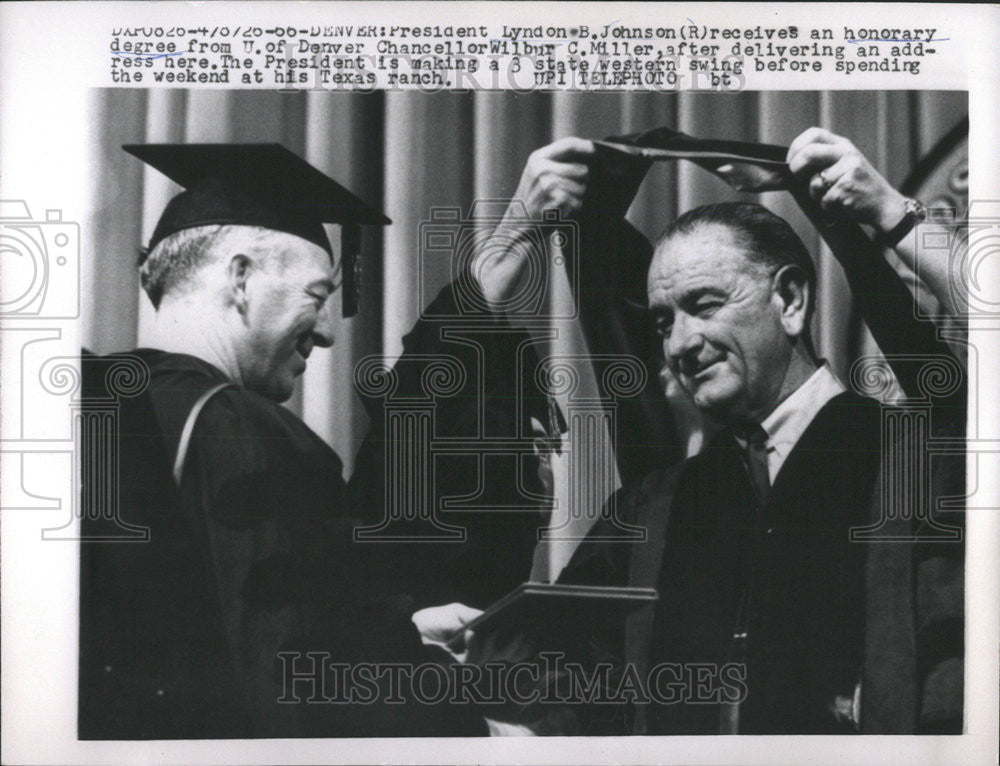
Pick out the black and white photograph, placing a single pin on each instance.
(404, 420)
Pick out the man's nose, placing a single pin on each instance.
(684, 338)
(323, 331)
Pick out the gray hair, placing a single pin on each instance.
(175, 260)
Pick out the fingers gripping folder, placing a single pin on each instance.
(556, 610)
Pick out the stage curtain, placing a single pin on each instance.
(409, 153)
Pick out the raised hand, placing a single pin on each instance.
(843, 180)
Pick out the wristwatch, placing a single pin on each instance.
(914, 212)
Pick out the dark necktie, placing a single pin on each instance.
(753, 438)
(755, 456)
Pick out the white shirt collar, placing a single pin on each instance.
(785, 426)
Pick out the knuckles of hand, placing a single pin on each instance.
(549, 184)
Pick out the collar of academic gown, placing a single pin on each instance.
(789, 420)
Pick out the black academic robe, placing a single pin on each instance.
(482, 487)
(488, 488)
(251, 556)
(825, 613)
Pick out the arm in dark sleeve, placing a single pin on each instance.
(494, 498)
(291, 581)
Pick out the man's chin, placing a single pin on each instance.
(284, 386)
(716, 401)
(279, 396)
(277, 390)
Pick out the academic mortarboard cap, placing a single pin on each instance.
(259, 185)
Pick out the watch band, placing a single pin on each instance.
(914, 213)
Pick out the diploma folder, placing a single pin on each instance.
(536, 606)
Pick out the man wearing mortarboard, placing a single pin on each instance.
(250, 549)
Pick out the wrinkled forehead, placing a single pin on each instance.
(709, 252)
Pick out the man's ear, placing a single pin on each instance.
(237, 273)
(792, 290)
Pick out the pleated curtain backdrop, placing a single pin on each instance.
(410, 152)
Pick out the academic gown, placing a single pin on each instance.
(825, 614)
(492, 493)
(251, 556)
(190, 623)
(486, 500)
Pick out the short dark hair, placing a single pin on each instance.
(767, 239)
